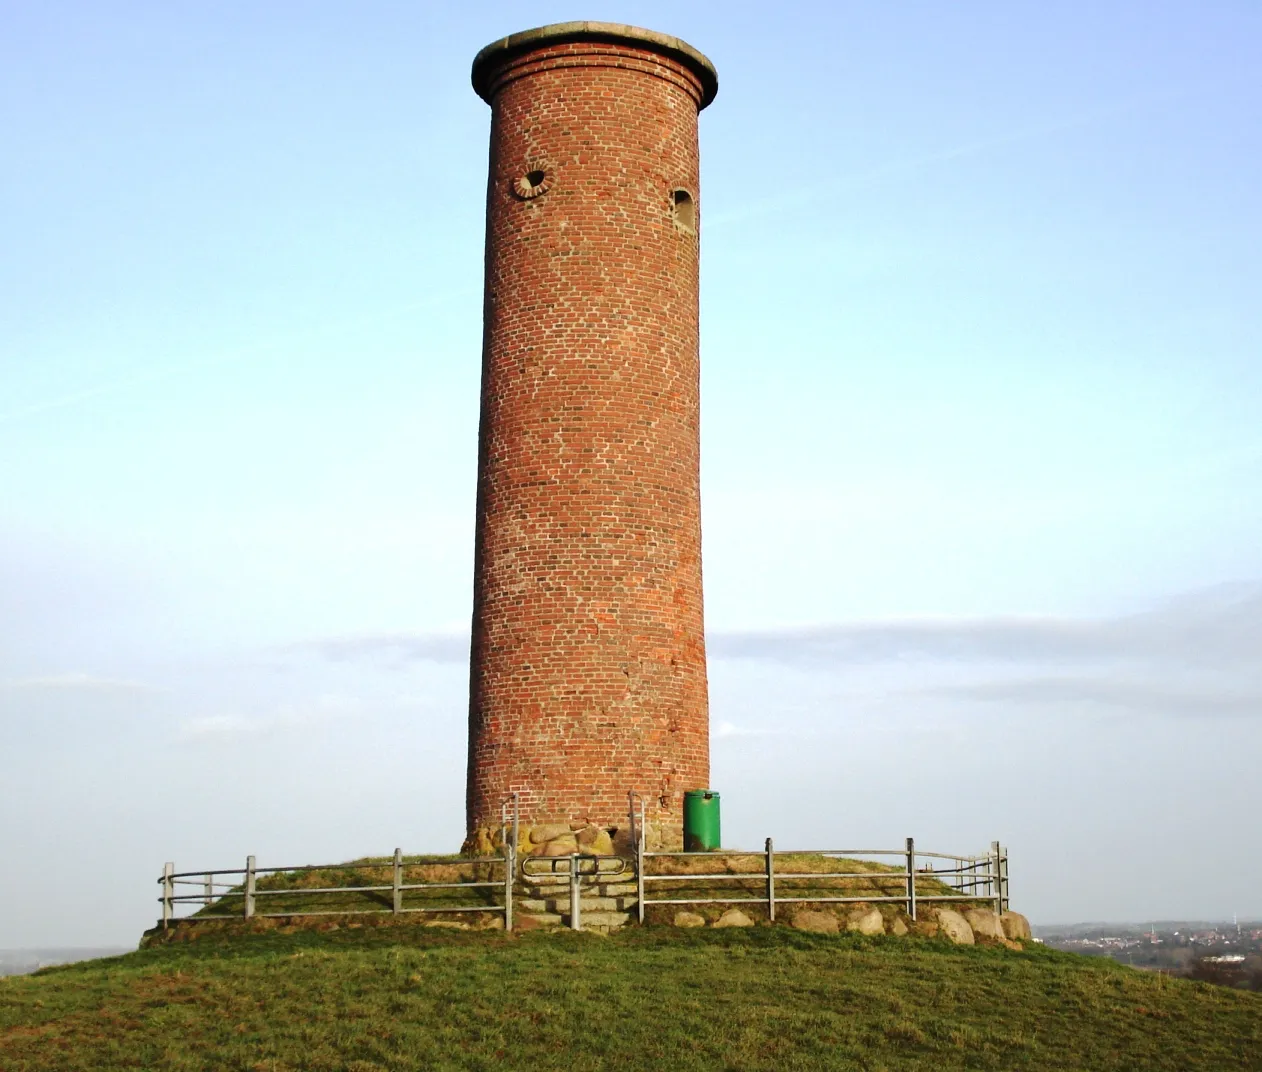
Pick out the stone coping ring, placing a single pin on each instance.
(491, 58)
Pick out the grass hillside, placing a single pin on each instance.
(408, 997)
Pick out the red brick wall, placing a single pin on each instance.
(588, 674)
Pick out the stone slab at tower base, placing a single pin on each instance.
(588, 669)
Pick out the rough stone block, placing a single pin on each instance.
(1015, 926)
(954, 926)
(816, 922)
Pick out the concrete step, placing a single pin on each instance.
(601, 920)
(546, 919)
(531, 905)
(555, 889)
(586, 904)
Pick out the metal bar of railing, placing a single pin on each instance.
(796, 876)
(911, 878)
(771, 882)
(431, 860)
(1003, 880)
(167, 891)
(639, 866)
(994, 873)
(396, 894)
(249, 887)
(781, 899)
(510, 854)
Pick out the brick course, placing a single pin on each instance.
(588, 671)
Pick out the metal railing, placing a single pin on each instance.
(228, 884)
(970, 878)
(982, 877)
(574, 868)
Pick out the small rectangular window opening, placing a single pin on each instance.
(684, 210)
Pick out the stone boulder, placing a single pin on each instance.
(565, 845)
(689, 919)
(985, 924)
(954, 926)
(733, 917)
(541, 835)
(866, 919)
(594, 840)
(925, 927)
(816, 922)
(898, 928)
(623, 843)
(1015, 926)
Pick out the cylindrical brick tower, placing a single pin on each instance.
(588, 672)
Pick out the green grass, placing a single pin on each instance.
(763, 998)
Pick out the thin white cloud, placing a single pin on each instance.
(729, 729)
(389, 647)
(75, 682)
(1196, 655)
(290, 718)
(1214, 627)
(1126, 694)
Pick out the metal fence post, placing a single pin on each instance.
(1003, 880)
(993, 882)
(576, 922)
(168, 888)
(639, 870)
(771, 883)
(516, 821)
(208, 888)
(510, 876)
(249, 887)
(396, 883)
(911, 878)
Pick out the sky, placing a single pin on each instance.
(981, 447)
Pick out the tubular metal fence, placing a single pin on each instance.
(922, 878)
(223, 888)
(981, 877)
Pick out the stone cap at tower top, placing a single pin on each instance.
(486, 61)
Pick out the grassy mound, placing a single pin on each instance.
(402, 998)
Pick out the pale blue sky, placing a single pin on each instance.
(981, 437)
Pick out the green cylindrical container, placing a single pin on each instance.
(701, 821)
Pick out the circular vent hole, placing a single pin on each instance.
(535, 178)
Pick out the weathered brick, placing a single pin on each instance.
(588, 673)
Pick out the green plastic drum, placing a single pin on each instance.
(701, 821)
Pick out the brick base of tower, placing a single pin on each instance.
(588, 670)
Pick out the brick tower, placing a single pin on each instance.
(588, 671)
